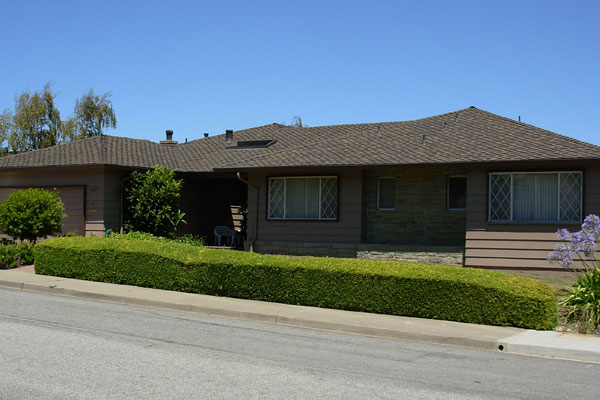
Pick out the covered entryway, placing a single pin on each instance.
(210, 200)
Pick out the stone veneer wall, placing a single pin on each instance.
(423, 254)
(421, 216)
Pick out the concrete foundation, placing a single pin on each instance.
(417, 254)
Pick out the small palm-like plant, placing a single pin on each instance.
(583, 301)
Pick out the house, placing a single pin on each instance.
(467, 187)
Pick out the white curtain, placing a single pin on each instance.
(302, 198)
(535, 197)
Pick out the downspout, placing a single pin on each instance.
(251, 247)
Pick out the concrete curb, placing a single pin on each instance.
(554, 344)
(506, 339)
(268, 317)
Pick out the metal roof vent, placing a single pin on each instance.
(169, 134)
(229, 136)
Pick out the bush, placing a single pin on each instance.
(449, 293)
(31, 214)
(151, 202)
(16, 255)
(193, 240)
(135, 235)
(187, 239)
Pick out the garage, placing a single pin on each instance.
(73, 197)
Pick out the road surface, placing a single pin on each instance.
(54, 347)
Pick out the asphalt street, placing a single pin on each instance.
(55, 347)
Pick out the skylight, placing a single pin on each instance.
(251, 144)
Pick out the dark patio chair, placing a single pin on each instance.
(222, 232)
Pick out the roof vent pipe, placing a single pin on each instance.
(169, 138)
(205, 134)
(229, 135)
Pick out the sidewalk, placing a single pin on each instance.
(505, 339)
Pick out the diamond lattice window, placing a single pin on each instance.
(500, 204)
(329, 198)
(570, 196)
(310, 197)
(535, 197)
(276, 198)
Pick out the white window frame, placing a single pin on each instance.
(448, 193)
(534, 173)
(378, 191)
(284, 178)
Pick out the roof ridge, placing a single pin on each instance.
(343, 125)
(521, 123)
(394, 122)
(312, 143)
(305, 144)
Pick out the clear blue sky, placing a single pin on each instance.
(199, 67)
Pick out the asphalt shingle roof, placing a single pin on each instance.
(464, 136)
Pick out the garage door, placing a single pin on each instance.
(73, 199)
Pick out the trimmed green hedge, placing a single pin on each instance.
(438, 292)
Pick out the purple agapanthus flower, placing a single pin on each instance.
(581, 246)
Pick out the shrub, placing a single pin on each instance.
(578, 254)
(449, 293)
(187, 239)
(151, 202)
(15, 255)
(31, 214)
(193, 240)
(135, 235)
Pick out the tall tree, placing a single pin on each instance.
(36, 121)
(92, 115)
(5, 129)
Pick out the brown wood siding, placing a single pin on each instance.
(519, 245)
(347, 228)
(73, 199)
